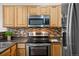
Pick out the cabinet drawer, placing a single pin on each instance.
(20, 45)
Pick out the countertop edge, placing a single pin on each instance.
(8, 47)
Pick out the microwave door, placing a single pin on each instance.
(35, 22)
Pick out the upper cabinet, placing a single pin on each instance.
(20, 16)
(59, 22)
(45, 10)
(8, 16)
(38, 10)
(33, 10)
(55, 19)
(17, 16)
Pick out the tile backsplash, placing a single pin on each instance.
(22, 32)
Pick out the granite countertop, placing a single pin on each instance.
(24, 40)
(17, 40)
(5, 45)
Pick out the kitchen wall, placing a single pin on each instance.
(2, 29)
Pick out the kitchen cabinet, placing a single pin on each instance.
(59, 22)
(21, 52)
(39, 10)
(20, 16)
(55, 19)
(5, 53)
(13, 50)
(45, 10)
(56, 49)
(15, 16)
(33, 10)
(8, 16)
(10, 51)
(21, 49)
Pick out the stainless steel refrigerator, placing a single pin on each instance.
(72, 30)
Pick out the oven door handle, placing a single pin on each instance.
(38, 44)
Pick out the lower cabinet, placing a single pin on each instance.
(13, 50)
(21, 52)
(10, 51)
(21, 49)
(6, 53)
(56, 49)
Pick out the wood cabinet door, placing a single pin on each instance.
(56, 49)
(33, 10)
(13, 50)
(20, 16)
(25, 17)
(21, 51)
(6, 53)
(45, 10)
(59, 23)
(53, 17)
(8, 16)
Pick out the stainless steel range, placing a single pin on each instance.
(38, 44)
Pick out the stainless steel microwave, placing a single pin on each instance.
(38, 21)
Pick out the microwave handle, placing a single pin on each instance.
(44, 21)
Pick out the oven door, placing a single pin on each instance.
(38, 50)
